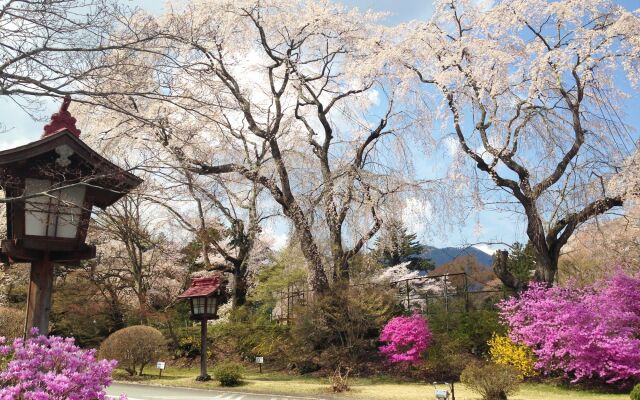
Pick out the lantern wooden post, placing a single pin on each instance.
(205, 295)
(39, 297)
(204, 376)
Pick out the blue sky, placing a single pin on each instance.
(494, 227)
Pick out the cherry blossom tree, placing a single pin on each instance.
(136, 256)
(289, 98)
(529, 89)
(62, 47)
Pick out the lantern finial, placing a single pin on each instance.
(62, 120)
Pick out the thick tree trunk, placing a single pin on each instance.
(546, 268)
(143, 309)
(239, 289)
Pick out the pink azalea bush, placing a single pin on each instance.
(589, 333)
(406, 338)
(51, 368)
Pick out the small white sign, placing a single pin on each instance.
(259, 360)
(160, 365)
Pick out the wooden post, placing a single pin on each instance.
(408, 294)
(203, 349)
(466, 293)
(446, 300)
(203, 344)
(39, 297)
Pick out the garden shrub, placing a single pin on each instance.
(635, 393)
(11, 323)
(228, 373)
(471, 329)
(255, 334)
(504, 351)
(446, 358)
(52, 368)
(134, 347)
(587, 333)
(341, 328)
(491, 381)
(406, 338)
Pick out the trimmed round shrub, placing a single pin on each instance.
(491, 381)
(635, 393)
(134, 347)
(11, 323)
(228, 373)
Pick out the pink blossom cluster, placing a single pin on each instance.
(51, 368)
(406, 338)
(589, 333)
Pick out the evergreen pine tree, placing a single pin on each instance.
(396, 245)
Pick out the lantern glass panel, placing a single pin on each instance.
(56, 215)
(198, 305)
(211, 305)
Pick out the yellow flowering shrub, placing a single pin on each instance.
(504, 351)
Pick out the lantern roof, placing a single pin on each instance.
(202, 287)
(62, 120)
(63, 147)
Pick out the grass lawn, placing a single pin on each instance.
(374, 389)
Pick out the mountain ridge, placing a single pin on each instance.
(444, 255)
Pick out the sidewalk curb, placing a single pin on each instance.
(222, 390)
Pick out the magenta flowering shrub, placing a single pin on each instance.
(406, 338)
(51, 368)
(589, 333)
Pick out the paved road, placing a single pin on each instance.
(144, 392)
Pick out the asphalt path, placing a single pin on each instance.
(146, 392)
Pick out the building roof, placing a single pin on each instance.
(202, 287)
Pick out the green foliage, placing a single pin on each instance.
(134, 347)
(491, 381)
(521, 261)
(341, 328)
(255, 334)
(395, 245)
(188, 343)
(228, 373)
(458, 338)
(288, 269)
(472, 330)
(11, 323)
(635, 393)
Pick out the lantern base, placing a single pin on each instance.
(20, 250)
(203, 378)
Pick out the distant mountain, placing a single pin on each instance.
(447, 254)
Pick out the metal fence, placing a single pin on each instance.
(448, 293)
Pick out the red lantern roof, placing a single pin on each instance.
(202, 287)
